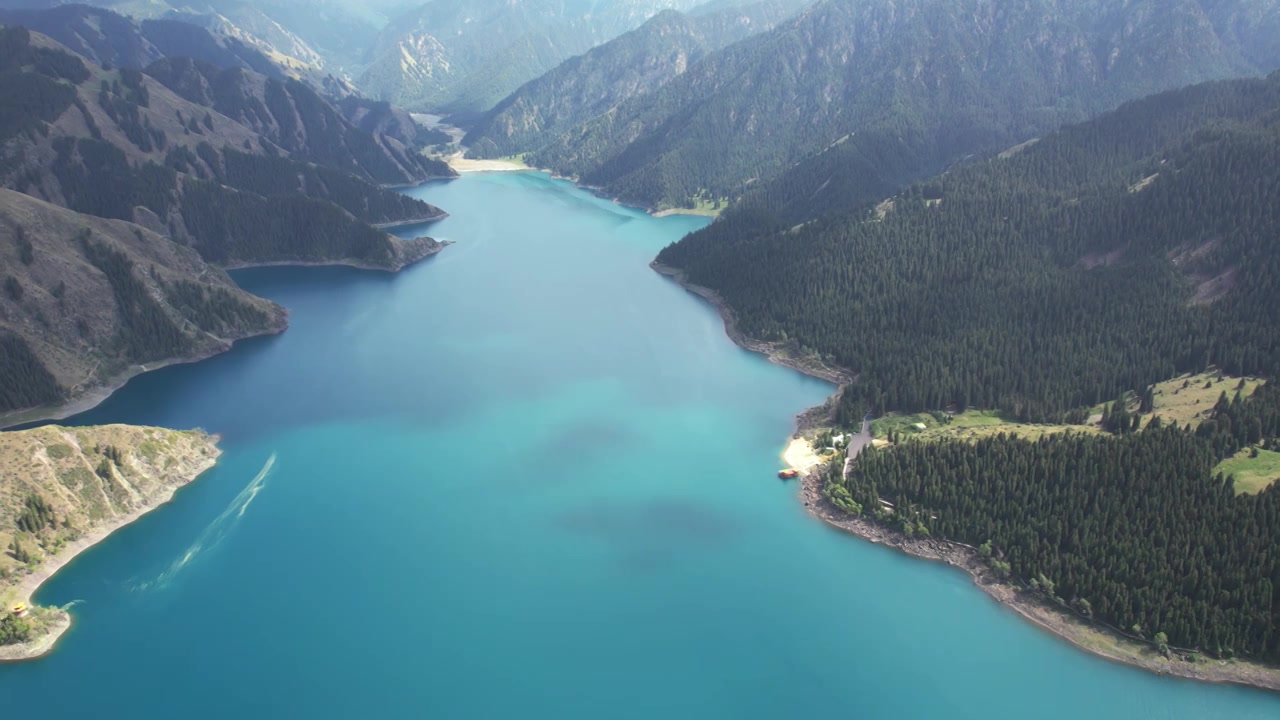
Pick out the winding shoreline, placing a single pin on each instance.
(471, 166)
(25, 590)
(1089, 636)
(95, 396)
(417, 221)
(776, 353)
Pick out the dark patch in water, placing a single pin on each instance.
(650, 534)
(587, 438)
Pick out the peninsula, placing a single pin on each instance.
(1188, 400)
(64, 489)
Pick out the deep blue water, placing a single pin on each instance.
(526, 478)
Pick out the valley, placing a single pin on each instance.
(1018, 261)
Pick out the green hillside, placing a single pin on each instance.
(1106, 257)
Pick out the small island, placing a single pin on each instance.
(64, 489)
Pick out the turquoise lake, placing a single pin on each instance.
(526, 478)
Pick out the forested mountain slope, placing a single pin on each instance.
(1105, 257)
(197, 186)
(593, 83)
(84, 299)
(260, 90)
(463, 56)
(382, 118)
(294, 117)
(909, 86)
(119, 144)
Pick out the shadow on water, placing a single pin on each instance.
(648, 535)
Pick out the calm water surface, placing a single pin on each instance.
(531, 478)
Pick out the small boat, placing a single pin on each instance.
(19, 609)
(788, 473)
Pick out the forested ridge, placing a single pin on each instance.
(271, 176)
(24, 381)
(230, 225)
(1132, 530)
(86, 298)
(31, 81)
(1106, 257)
(294, 117)
(90, 170)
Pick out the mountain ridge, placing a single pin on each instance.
(940, 80)
(460, 57)
(124, 200)
(590, 84)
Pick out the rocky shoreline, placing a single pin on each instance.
(1084, 634)
(408, 252)
(414, 221)
(776, 352)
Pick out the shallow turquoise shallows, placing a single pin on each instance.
(528, 478)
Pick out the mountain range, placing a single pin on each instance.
(899, 89)
(460, 57)
(637, 62)
(326, 34)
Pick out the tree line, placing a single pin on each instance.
(1133, 530)
(1038, 283)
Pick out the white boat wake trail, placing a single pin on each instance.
(217, 530)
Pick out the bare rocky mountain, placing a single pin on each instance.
(599, 80)
(900, 89)
(463, 56)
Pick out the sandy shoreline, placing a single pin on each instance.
(24, 591)
(800, 454)
(1082, 634)
(466, 165)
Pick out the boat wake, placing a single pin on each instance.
(217, 530)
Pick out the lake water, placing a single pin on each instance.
(526, 478)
